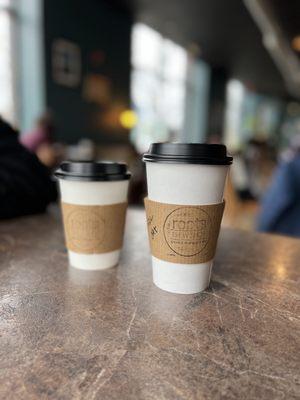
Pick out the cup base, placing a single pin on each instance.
(181, 278)
(94, 262)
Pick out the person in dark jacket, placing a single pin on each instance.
(25, 184)
(280, 211)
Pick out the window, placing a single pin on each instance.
(235, 95)
(249, 115)
(157, 86)
(7, 103)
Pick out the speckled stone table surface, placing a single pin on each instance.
(65, 334)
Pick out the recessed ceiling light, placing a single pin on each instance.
(296, 43)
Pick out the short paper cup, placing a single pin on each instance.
(93, 203)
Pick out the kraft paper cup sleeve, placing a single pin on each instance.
(94, 229)
(181, 233)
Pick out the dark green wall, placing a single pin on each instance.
(94, 25)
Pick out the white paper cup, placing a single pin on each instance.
(184, 181)
(85, 187)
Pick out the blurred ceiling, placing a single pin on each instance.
(227, 33)
(280, 28)
(288, 15)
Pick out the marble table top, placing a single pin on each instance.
(67, 334)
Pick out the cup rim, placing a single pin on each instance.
(90, 171)
(188, 153)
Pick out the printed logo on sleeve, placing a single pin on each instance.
(94, 229)
(187, 230)
(85, 228)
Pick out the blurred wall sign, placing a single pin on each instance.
(66, 63)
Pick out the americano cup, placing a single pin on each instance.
(184, 211)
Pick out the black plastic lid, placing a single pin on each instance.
(188, 153)
(92, 171)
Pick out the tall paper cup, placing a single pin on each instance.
(93, 202)
(184, 175)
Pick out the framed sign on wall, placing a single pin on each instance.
(66, 63)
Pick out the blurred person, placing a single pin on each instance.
(137, 185)
(280, 210)
(84, 150)
(25, 183)
(259, 160)
(238, 171)
(214, 138)
(289, 153)
(240, 177)
(40, 141)
(41, 134)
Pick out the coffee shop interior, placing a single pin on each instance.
(102, 80)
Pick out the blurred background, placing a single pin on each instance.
(105, 78)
